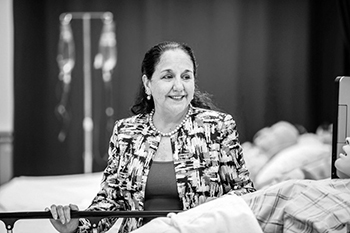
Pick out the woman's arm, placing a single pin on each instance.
(109, 197)
(232, 169)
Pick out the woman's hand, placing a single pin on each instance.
(61, 218)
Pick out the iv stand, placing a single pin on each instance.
(88, 124)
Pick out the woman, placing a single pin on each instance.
(173, 154)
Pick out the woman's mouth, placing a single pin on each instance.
(177, 97)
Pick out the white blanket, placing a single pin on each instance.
(228, 213)
(36, 193)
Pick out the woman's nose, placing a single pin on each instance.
(178, 85)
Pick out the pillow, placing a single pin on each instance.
(309, 149)
(279, 136)
(254, 158)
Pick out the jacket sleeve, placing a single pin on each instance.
(109, 197)
(232, 169)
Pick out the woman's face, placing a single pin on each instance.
(343, 162)
(172, 83)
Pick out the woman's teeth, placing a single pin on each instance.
(176, 97)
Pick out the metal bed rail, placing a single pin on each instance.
(10, 218)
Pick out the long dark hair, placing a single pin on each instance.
(151, 59)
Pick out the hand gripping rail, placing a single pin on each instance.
(9, 218)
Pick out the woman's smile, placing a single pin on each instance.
(177, 97)
(172, 83)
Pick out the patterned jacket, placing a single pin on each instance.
(207, 156)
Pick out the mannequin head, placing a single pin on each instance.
(343, 162)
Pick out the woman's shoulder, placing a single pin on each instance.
(134, 120)
(213, 119)
(210, 114)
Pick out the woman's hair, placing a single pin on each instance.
(151, 59)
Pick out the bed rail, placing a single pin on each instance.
(10, 218)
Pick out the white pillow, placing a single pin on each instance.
(308, 149)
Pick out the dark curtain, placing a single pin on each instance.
(344, 9)
(263, 61)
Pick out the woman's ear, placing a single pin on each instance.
(146, 82)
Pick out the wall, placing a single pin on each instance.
(6, 60)
(6, 89)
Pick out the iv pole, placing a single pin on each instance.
(88, 124)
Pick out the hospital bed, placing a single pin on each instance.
(23, 199)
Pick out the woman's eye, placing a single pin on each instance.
(168, 76)
(186, 77)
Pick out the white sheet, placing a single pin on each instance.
(228, 213)
(35, 193)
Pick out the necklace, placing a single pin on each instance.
(171, 132)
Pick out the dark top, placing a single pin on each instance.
(161, 189)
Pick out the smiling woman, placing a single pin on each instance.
(172, 89)
(171, 85)
(175, 153)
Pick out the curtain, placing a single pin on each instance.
(263, 61)
(344, 9)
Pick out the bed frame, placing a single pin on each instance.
(10, 218)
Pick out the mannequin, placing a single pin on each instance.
(343, 162)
